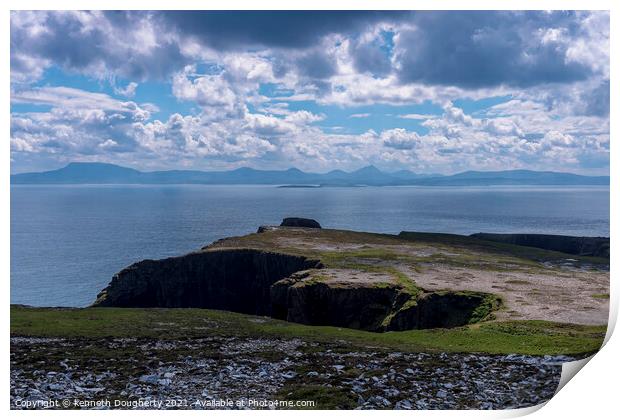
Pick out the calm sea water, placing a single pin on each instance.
(68, 241)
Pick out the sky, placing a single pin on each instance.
(428, 91)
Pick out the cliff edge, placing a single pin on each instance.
(368, 281)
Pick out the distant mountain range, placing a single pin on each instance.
(105, 173)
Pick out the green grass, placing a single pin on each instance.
(485, 310)
(523, 337)
(376, 259)
(316, 278)
(404, 281)
(480, 245)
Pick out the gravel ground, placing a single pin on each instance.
(219, 372)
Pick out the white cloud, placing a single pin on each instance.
(416, 116)
(248, 68)
(65, 98)
(109, 143)
(128, 91)
(546, 125)
(399, 138)
(592, 47)
(206, 90)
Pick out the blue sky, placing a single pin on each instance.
(432, 92)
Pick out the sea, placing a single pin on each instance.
(67, 241)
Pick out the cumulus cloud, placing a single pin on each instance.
(520, 134)
(208, 91)
(399, 138)
(479, 48)
(94, 43)
(553, 65)
(237, 30)
(78, 123)
(82, 124)
(187, 137)
(460, 48)
(371, 51)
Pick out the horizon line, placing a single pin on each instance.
(430, 174)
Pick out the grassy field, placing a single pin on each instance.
(380, 252)
(522, 337)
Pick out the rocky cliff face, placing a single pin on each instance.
(376, 308)
(234, 280)
(286, 287)
(351, 306)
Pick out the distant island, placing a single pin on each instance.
(299, 186)
(105, 173)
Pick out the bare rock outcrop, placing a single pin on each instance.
(300, 222)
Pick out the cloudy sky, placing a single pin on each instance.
(438, 92)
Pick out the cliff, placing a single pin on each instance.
(576, 245)
(288, 287)
(235, 280)
(367, 281)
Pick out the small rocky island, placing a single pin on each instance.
(345, 319)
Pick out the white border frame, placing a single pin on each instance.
(593, 393)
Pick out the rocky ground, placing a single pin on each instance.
(253, 373)
(575, 295)
(533, 283)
